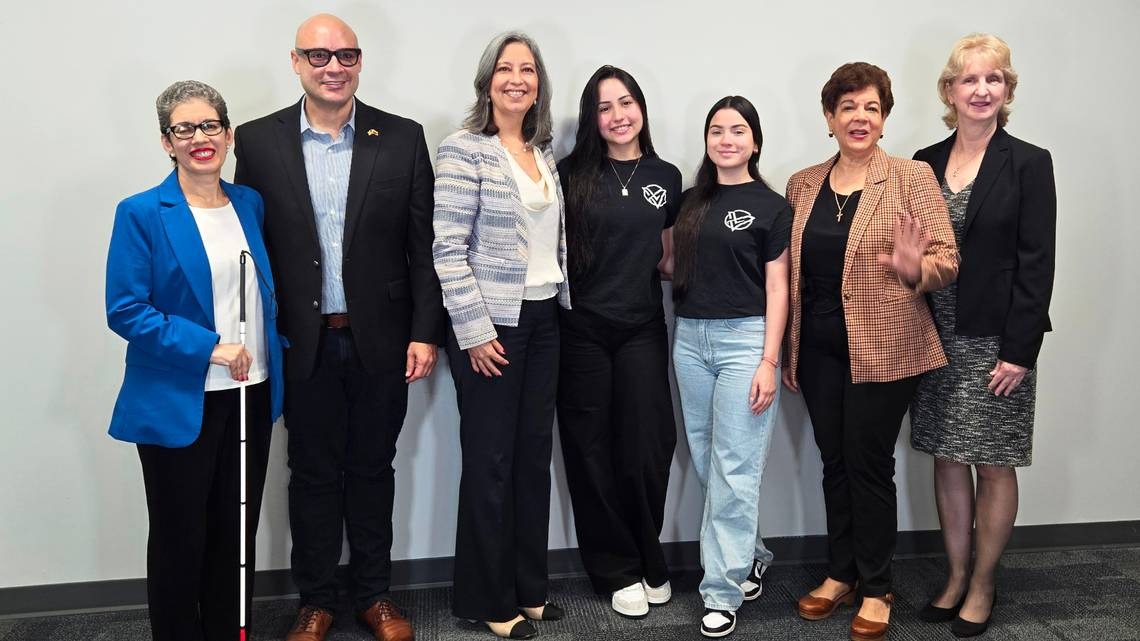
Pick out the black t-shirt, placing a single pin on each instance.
(824, 246)
(746, 226)
(622, 283)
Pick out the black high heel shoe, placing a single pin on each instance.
(931, 613)
(962, 628)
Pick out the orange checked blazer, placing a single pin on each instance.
(890, 331)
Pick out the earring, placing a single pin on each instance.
(831, 134)
(172, 156)
(882, 135)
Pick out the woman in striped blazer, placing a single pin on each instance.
(500, 253)
(870, 234)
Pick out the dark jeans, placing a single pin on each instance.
(615, 421)
(856, 426)
(193, 504)
(506, 426)
(343, 423)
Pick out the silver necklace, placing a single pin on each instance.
(625, 185)
(961, 165)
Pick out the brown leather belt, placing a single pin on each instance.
(336, 321)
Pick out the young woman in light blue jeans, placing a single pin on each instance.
(731, 288)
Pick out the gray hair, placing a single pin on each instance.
(185, 90)
(537, 124)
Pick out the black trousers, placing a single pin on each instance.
(615, 421)
(192, 499)
(855, 427)
(506, 426)
(343, 424)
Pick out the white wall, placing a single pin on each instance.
(79, 134)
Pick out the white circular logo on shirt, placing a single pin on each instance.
(738, 219)
(654, 195)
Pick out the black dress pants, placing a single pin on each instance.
(343, 423)
(192, 500)
(506, 426)
(856, 426)
(615, 422)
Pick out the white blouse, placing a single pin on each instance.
(540, 199)
(224, 240)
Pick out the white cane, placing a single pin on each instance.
(241, 458)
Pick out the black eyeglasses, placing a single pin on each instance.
(320, 57)
(185, 130)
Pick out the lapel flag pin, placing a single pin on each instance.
(373, 132)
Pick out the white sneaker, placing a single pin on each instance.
(659, 595)
(754, 584)
(718, 623)
(630, 601)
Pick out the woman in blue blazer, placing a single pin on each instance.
(172, 293)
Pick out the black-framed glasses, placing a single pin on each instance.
(347, 57)
(185, 130)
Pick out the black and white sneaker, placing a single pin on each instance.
(718, 623)
(754, 584)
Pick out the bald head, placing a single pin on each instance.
(330, 86)
(324, 26)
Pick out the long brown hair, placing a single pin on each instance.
(585, 163)
(692, 215)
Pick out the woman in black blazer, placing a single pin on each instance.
(978, 410)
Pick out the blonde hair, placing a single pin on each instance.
(975, 44)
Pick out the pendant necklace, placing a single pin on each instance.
(954, 174)
(839, 214)
(625, 185)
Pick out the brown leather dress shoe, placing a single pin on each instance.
(864, 630)
(814, 608)
(312, 624)
(386, 622)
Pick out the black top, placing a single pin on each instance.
(746, 226)
(622, 283)
(824, 246)
(1008, 248)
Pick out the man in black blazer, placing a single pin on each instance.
(348, 224)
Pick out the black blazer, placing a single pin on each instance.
(1005, 278)
(390, 285)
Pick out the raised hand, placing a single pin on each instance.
(910, 243)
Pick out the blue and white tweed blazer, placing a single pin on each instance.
(481, 243)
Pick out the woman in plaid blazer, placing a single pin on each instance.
(870, 234)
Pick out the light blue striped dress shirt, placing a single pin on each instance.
(327, 164)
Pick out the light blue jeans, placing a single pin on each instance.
(714, 361)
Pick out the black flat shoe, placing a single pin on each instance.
(931, 613)
(550, 612)
(521, 630)
(962, 628)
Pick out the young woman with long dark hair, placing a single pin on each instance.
(615, 415)
(731, 289)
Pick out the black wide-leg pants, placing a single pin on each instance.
(856, 426)
(616, 426)
(192, 566)
(506, 429)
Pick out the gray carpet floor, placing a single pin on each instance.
(1081, 595)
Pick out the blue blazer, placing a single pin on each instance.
(160, 299)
